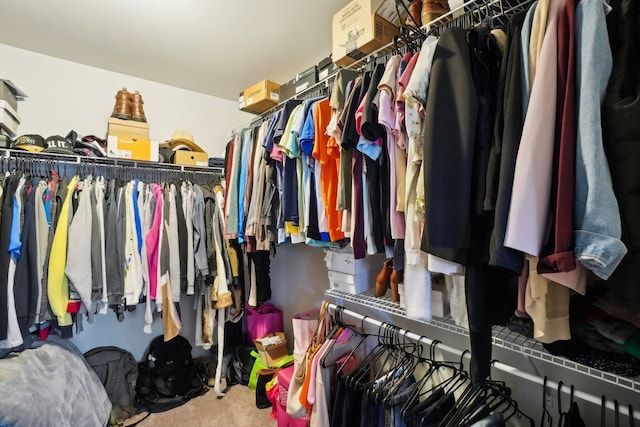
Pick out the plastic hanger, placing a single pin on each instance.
(560, 413)
(632, 421)
(603, 409)
(616, 412)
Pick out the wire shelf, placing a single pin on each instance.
(503, 337)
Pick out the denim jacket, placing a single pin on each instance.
(597, 217)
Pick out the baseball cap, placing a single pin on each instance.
(57, 144)
(32, 143)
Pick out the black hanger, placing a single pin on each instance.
(545, 411)
(616, 412)
(632, 421)
(560, 413)
(603, 409)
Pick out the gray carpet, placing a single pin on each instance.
(236, 409)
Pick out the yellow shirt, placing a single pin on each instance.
(57, 285)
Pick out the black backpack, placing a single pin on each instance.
(169, 376)
(117, 369)
(240, 365)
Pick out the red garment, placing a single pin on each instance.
(557, 255)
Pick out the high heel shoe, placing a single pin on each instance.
(383, 278)
(397, 277)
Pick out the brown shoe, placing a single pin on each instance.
(383, 278)
(415, 9)
(397, 277)
(433, 9)
(137, 112)
(122, 108)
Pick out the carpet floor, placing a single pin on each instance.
(236, 409)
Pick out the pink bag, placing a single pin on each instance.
(304, 326)
(261, 321)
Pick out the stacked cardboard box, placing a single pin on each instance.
(352, 275)
(129, 139)
(9, 118)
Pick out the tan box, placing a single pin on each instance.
(132, 149)
(259, 97)
(272, 354)
(191, 158)
(128, 128)
(360, 28)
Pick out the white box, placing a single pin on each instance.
(350, 283)
(439, 300)
(9, 118)
(342, 260)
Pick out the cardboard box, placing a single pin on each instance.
(10, 93)
(9, 119)
(350, 283)
(132, 149)
(439, 300)
(128, 128)
(272, 354)
(259, 97)
(191, 158)
(5, 141)
(295, 87)
(361, 27)
(327, 71)
(342, 260)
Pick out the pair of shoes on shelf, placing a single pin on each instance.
(415, 9)
(128, 106)
(389, 278)
(433, 9)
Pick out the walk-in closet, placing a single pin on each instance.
(347, 213)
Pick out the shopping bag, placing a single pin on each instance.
(263, 320)
(295, 393)
(304, 326)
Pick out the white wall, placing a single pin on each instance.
(65, 95)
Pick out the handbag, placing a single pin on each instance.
(294, 406)
(263, 320)
(304, 326)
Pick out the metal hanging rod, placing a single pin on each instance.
(106, 162)
(587, 397)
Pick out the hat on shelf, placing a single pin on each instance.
(57, 144)
(182, 141)
(32, 143)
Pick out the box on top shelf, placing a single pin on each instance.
(259, 97)
(132, 149)
(301, 82)
(361, 27)
(9, 119)
(128, 128)
(326, 68)
(10, 93)
(191, 158)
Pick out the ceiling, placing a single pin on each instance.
(208, 46)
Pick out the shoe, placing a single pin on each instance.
(397, 277)
(122, 108)
(433, 9)
(383, 278)
(137, 112)
(415, 10)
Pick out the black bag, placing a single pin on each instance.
(239, 368)
(117, 369)
(169, 376)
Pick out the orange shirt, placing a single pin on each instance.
(329, 175)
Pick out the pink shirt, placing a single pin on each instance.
(153, 242)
